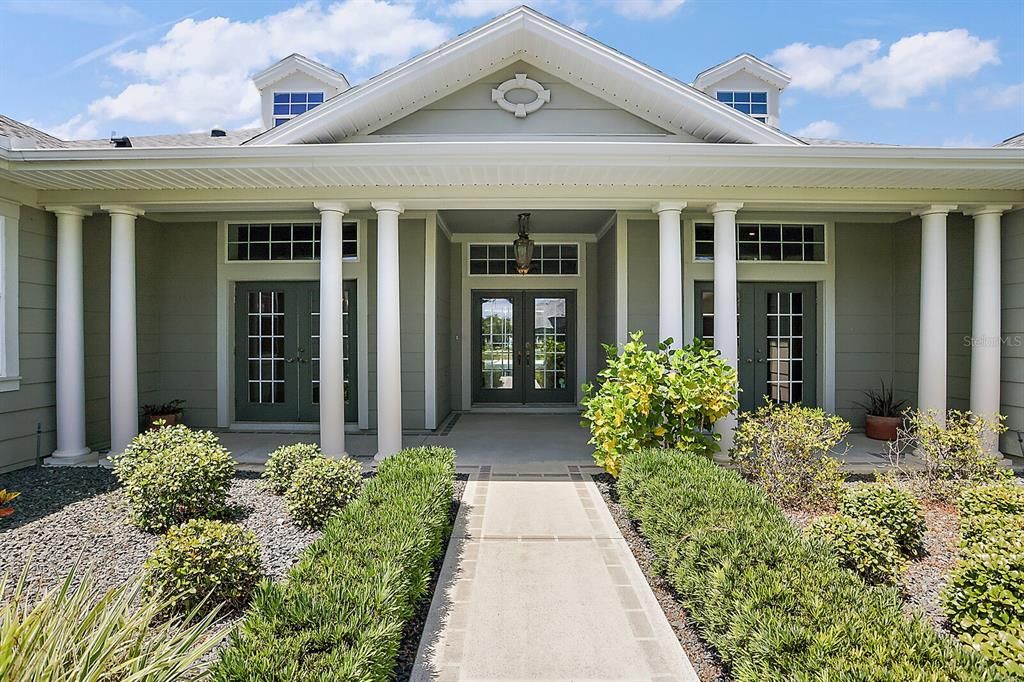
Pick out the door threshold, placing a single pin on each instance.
(285, 427)
(519, 408)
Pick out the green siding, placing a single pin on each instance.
(455, 329)
(442, 331)
(593, 341)
(1013, 330)
(605, 273)
(412, 254)
(642, 271)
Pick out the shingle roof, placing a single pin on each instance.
(1015, 141)
(823, 142)
(231, 138)
(11, 128)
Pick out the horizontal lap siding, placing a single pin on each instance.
(1013, 330)
(442, 331)
(412, 254)
(606, 274)
(642, 270)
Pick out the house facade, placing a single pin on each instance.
(352, 266)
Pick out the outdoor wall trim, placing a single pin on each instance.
(430, 324)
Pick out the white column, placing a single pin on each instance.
(70, 361)
(332, 352)
(389, 331)
(670, 272)
(725, 298)
(986, 313)
(124, 375)
(931, 366)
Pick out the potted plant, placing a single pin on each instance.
(165, 414)
(882, 414)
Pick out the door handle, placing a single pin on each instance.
(289, 360)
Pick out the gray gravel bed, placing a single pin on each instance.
(77, 515)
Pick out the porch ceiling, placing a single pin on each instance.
(543, 221)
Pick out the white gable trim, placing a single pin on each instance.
(743, 62)
(523, 34)
(297, 63)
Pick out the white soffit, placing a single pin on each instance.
(523, 34)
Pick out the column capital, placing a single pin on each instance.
(69, 210)
(725, 206)
(122, 209)
(943, 209)
(333, 206)
(987, 209)
(380, 206)
(662, 206)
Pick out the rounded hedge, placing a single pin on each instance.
(1005, 497)
(321, 487)
(204, 560)
(174, 474)
(861, 546)
(892, 508)
(282, 463)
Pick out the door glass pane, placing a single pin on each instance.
(785, 359)
(266, 347)
(496, 343)
(314, 355)
(549, 343)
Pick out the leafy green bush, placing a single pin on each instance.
(203, 560)
(657, 398)
(974, 529)
(773, 604)
(785, 449)
(174, 474)
(1005, 497)
(861, 545)
(341, 613)
(955, 454)
(283, 462)
(321, 487)
(77, 632)
(892, 508)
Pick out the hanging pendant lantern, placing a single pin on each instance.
(523, 245)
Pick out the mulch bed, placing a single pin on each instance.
(704, 659)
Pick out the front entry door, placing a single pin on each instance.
(778, 337)
(277, 351)
(524, 346)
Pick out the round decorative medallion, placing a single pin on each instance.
(520, 82)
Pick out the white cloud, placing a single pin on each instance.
(477, 9)
(912, 66)
(968, 140)
(997, 97)
(820, 129)
(199, 73)
(78, 127)
(646, 9)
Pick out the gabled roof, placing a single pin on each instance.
(296, 62)
(1015, 141)
(523, 34)
(12, 129)
(744, 62)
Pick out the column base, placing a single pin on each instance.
(78, 458)
(726, 427)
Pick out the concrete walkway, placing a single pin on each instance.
(538, 584)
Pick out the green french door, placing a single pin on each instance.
(524, 346)
(277, 351)
(777, 342)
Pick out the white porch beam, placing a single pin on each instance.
(724, 213)
(670, 272)
(389, 331)
(124, 374)
(332, 352)
(986, 328)
(70, 360)
(931, 369)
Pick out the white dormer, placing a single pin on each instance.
(748, 85)
(295, 85)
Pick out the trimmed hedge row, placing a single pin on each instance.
(342, 610)
(775, 605)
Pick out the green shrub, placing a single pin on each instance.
(1004, 497)
(283, 462)
(203, 560)
(974, 529)
(342, 611)
(77, 632)
(321, 487)
(657, 398)
(984, 598)
(774, 605)
(785, 450)
(892, 508)
(861, 545)
(174, 474)
(954, 455)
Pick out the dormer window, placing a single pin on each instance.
(288, 105)
(754, 104)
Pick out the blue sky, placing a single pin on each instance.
(926, 73)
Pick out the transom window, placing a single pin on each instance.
(766, 242)
(753, 103)
(287, 105)
(500, 259)
(285, 241)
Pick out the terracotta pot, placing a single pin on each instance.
(881, 428)
(167, 419)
